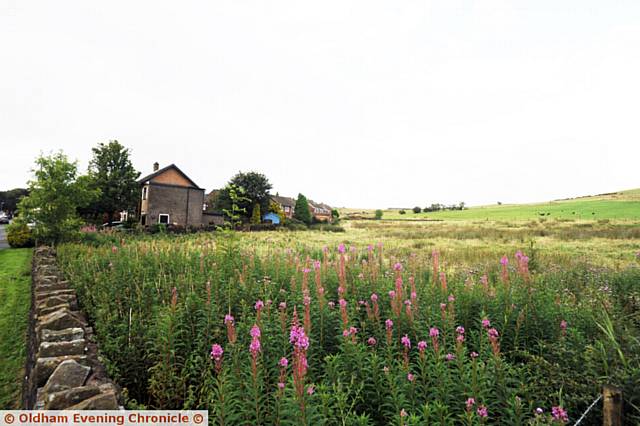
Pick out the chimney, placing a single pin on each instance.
(156, 166)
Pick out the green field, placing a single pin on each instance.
(624, 205)
(15, 295)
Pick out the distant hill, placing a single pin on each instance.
(621, 205)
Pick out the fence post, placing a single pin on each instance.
(611, 406)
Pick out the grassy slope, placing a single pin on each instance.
(624, 205)
(15, 296)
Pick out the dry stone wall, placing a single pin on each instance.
(63, 370)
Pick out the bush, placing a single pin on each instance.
(417, 209)
(402, 212)
(262, 227)
(294, 224)
(326, 227)
(378, 214)
(19, 235)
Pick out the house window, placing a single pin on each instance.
(163, 218)
(287, 209)
(143, 219)
(144, 193)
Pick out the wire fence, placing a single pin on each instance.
(588, 409)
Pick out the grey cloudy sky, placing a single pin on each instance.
(355, 103)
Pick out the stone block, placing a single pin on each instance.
(46, 366)
(66, 335)
(104, 401)
(68, 374)
(52, 349)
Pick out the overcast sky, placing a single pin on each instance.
(354, 103)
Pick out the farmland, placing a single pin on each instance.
(390, 322)
(623, 205)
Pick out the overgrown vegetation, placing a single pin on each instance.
(15, 300)
(371, 334)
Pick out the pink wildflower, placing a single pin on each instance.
(470, 403)
(559, 414)
(434, 332)
(259, 305)
(406, 342)
(255, 331)
(482, 411)
(474, 355)
(228, 319)
(372, 341)
(486, 323)
(342, 249)
(422, 345)
(388, 324)
(411, 377)
(254, 347)
(450, 357)
(280, 385)
(216, 351)
(284, 362)
(397, 266)
(374, 297)
(310, 390)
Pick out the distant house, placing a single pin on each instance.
(320, 211)
(286, 204)
(168, 196)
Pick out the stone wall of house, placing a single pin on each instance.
(62, 370)
(183, 205)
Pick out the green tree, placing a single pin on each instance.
(256, 217)
(378, 214)
(234, 213)
(417, 209)
(277, 209)
(301, 210)
(9, 199)
(55, 194)
(111, 171)
(256, 189)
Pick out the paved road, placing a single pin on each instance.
(3, 238)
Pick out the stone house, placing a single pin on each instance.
(168, 196)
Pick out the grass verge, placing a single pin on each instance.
(15, 297)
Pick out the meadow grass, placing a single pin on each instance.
(15, 300)
(624, 205)
(566, 320)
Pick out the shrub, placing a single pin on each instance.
(262, 227)
(326, 227)
(402, 212)
(417, 209)
(378, 214)
(294, 224)
(19, 235)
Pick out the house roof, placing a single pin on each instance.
(322, 206)
(164, 169)
(284, 201)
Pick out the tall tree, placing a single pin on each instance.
(9, 199)
(111, 171)
(301, 210)
(256, 189)
(55, 194)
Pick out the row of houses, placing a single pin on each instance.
(168, 196)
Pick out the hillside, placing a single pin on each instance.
(622, 205)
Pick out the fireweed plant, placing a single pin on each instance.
(291, 334)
